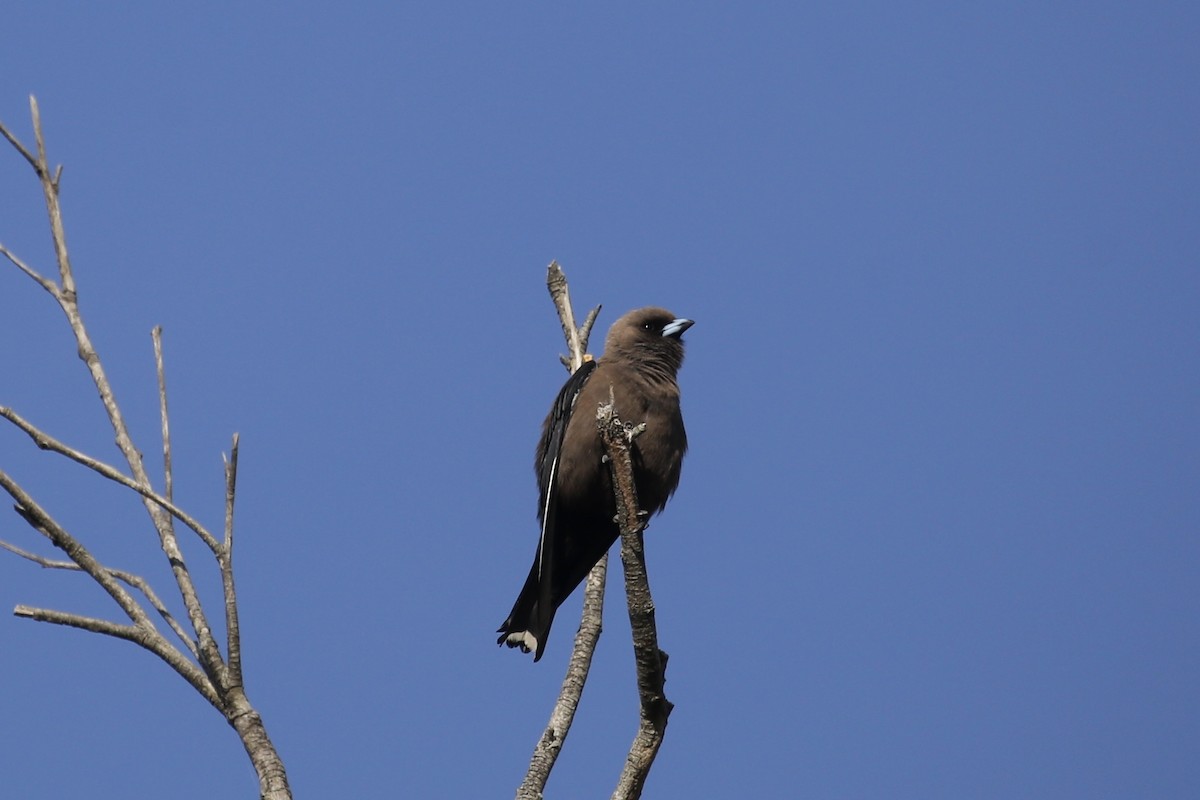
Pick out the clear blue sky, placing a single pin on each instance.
(937, 531)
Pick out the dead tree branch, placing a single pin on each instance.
(545, 753)
(650, 660)
(217, 677)
(47, 442)
(136, 581)
(618, 438)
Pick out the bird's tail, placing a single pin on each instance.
(528, 624)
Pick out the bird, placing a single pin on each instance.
(576, 508)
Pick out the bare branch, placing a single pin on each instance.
(218, 682)
(550, 744)
(233, 635)
(50, 191)
(43, 523)
(272, 778)
(136, 581)
(16, 143)
(617, 438)
(47, 442)
(147, 635)
(168, 476)
(68, 300)
(47, 284)
(142, 632)
(128, 632)
(547, 750)
(142, 636)
(585, 330)
(577, 338)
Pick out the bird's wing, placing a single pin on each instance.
(556, 431)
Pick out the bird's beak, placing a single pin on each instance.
(676, 327)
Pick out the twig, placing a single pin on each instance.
(50, 190)
(585, 330)
(16, 143)
(147, 635)
(168, 476)
(47, 442)
(233, 635)
(43, 523)
(651, 661)
(136, 581)
(128, 632)
(168, 470)
(577, 338)
(147, 638)
(47, 284)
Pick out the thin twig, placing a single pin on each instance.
(585, 330)
(136, 581)
(50, 191)
(233, 636)
(210, 654)
(130, 633)
(549, 746)
(147, 636)
(43, 523)
(47, 284)
(168, 476)
(577, 338)
(47, 442)
(16, 143)
(144, 637)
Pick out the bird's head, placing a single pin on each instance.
(650, 337)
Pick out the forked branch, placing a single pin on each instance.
(651, 662)
(546, 752)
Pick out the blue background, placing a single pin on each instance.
(937, 531)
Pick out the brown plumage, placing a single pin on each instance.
(642, 354)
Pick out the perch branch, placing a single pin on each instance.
(618, 438)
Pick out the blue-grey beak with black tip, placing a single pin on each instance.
(676, 327)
